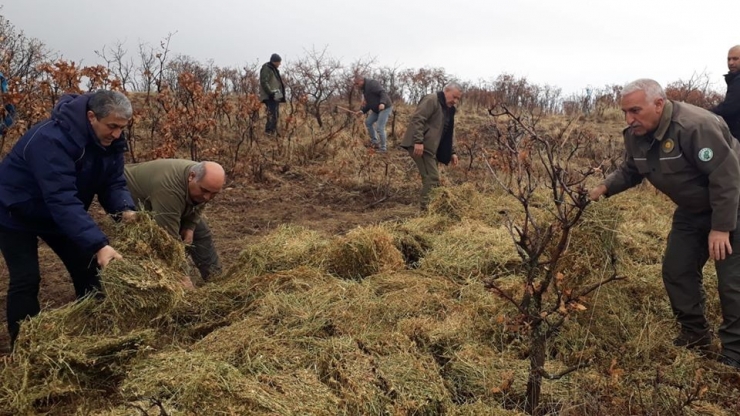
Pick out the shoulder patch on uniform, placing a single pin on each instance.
(706, 154)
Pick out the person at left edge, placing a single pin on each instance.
(49, 180)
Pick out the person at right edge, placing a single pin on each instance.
(729, 109)
(430, 134)
(687, 153)
(272, 92)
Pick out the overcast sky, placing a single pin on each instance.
(570, 44)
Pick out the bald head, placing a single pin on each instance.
(733, 59)
(206, 179)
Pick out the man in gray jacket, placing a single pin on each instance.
(688, 154)
(377, 102)
(430, 135)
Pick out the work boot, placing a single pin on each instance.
(694, 340)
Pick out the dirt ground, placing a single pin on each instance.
(242, 213)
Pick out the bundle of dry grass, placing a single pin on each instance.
(144, 239)
(56, 359)
(287, 247)
(454, 202)
(412, 380)
(299, 314)
(350, 372)
(138, 292)
(413, 237)
(481, 409)
(364, 251)
(226, 301)
(647, 220)
(471, 249)
(490, 205)
(587, 258)
(476, 372)
(193, 383)
(253, 350)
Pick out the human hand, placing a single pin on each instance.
(597, 192)
(128, 216)
(719, 245)
(106, 254)
(187, 236)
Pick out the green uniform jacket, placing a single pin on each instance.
(270, 82)
(691, 157)
(426, 125)
(161, 187)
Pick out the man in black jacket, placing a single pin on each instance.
(729, 109)
(376, 101)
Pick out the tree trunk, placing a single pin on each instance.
(537, 344)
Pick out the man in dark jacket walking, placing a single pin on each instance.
(729, 109)
(430, 135)
(49, 180)
(272, 91)
(376, 101)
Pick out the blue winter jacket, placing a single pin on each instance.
(50, 177)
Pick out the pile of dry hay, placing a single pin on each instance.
(387, 319)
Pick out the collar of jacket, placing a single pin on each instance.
(665, 121)
(443, 102)
(442, 99)
(731, 76)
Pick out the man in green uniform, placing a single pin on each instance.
(272, 91)
(688, 154)
(175, 191)
(429, 136)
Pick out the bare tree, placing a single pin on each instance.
(526, 161)
(119, 64)
(317, 76)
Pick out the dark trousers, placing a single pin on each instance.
(203, 251)
(273, 113)
(20, 250)
(685, 256)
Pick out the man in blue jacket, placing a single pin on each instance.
(49, 180)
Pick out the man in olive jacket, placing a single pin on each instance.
(688, 154)
(430, 134)
(272, 91)
(729, 109)
(175, 191)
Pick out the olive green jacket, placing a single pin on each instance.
(161, 187)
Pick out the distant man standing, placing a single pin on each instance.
(272, 91)
(175, 191)
(729, 109)
(47, 183)
(688, 154)
(430, 134)
(376, 101)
